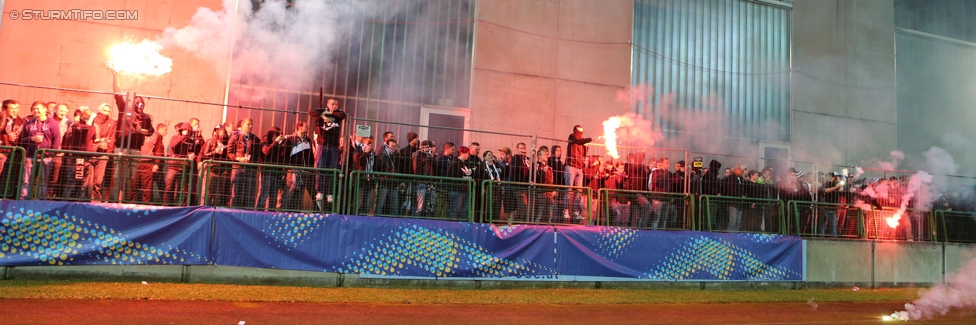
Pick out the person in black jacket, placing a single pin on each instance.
(272, 179)
(575, 163)
(387, 193)
(328, 129)
(218, 180)
(423, 165)
(458, 200)
(298, 152)
(734, 185)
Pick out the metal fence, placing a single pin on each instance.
(647, 210)
(819, 219)
(12, 172)
(402, 195)
(954, 226)
(267, 187)
(516, 202)
(894, 224)
(739, 214)
(115, 178)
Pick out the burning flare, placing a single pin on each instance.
(610, 135)
(138, 59)
(893, 220)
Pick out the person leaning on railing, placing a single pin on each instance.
(79, 137)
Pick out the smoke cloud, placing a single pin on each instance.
(278, 44)
(959, 292)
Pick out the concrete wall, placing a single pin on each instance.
(844, 97)
(838, 262)
(545, 82)
(70, 54)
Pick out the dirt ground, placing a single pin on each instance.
(32, 311)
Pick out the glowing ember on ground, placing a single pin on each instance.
(138, 59)
(610, 135)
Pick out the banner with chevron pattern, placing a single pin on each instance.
(678, 255)
(381, 246)
(63, 233)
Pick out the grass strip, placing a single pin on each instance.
(53, 289)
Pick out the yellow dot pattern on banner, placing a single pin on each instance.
(62, 239)
(721, 259)
(614, 241)
(436, 253)
(292, 228)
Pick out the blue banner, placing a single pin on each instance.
(678, 255)
(381, 246)
(63, 233)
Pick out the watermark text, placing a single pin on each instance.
(73, 14)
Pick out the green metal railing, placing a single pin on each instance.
(648, 210)
(527, 203)
(954, 226)
(294, 185)
(12, 176)
(752, 215)
(912, 225)
(441, 197)
(820, 219)
(76, 177)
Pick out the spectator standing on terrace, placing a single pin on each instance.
(545, 201)
(60, 114)
(734, 186)
(458, 195)
(595, 174)
(182, 145)
(218, 180)
(558, 178)
(575, 163)
(244, 147)
(387, 192)
(474, 158)
(328, 128)
(148, 168)
(105, 145)
(520, 170)
(506, 193)
(272, 180)
(637, 176)
(42, 132)
(131, 131)
(830, 192)
(661, 181)
(11, 125)
(299, 153)
(442, 206)
(77, 175)
(423, 165)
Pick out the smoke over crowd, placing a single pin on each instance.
(276, 44)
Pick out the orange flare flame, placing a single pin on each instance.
(138, 59)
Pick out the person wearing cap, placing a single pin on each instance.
(575, 157)
(328, 128)
(181, 145)
(217, 177)
(423, 165)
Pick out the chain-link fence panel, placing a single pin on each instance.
(955, 226)
(647, 210)
(267, 187)
(819, 219)
(525, 203)
(896, 224)
(411, 196)
(741, 214)
(12, 172)
(87, 176)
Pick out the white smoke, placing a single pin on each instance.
(959, 292)
(895, 158)
(631, 130)
(279, 44)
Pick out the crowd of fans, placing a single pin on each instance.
(320, 144)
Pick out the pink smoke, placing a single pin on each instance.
(960, 292)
